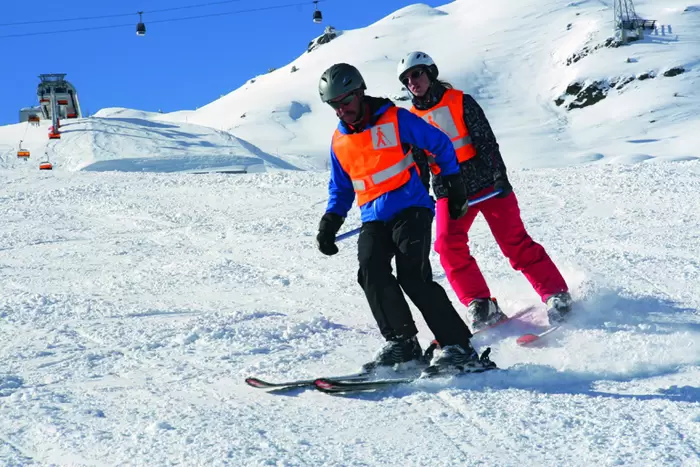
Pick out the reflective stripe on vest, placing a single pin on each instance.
(373, 158)
(447, 116)
(458, 143)
(386, 174)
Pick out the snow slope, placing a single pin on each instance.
(128, 140)
(134, 305)
(512, 57)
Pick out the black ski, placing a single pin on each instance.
(300, 383)
(331, 386)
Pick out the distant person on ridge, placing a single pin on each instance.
(483, 170)
(370, 158)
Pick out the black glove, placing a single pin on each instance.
(457, 202)
(327, 229)
(504, 185)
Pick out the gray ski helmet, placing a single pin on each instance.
(339, 79)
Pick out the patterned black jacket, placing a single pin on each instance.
(479, 172)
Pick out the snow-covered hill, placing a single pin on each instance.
(133, 141)
(512, 56)
(539, 68)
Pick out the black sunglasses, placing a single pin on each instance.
(336, 104)
(415, 74)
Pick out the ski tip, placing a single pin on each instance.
(527, 339)
(255, 382)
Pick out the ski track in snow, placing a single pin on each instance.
(135, 304)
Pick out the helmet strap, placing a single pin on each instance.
(363, 116)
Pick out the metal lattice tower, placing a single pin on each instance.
(629, 26)
(625, 16)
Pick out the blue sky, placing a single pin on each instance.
(177, 65)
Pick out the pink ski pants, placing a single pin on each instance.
(503, 218)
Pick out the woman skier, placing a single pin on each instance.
(459, 116)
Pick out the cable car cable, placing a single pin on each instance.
(122, 15)
(112, 26)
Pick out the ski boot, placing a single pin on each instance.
(558, 306)
(394, 353)
(459, 359)
(484, 312)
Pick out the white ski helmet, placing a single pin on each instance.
(415, 59)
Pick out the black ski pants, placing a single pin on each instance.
(408, 239)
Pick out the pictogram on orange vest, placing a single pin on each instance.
(373, 158)
(447, 116)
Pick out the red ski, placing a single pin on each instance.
(517, 315)
(531, 339)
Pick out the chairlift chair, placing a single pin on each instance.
(45, 164)
(22, 153)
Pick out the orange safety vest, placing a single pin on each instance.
(373, 158)
(447, 116)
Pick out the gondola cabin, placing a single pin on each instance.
(318, 17)
(140, 27)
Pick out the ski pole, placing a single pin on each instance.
(471, 202)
